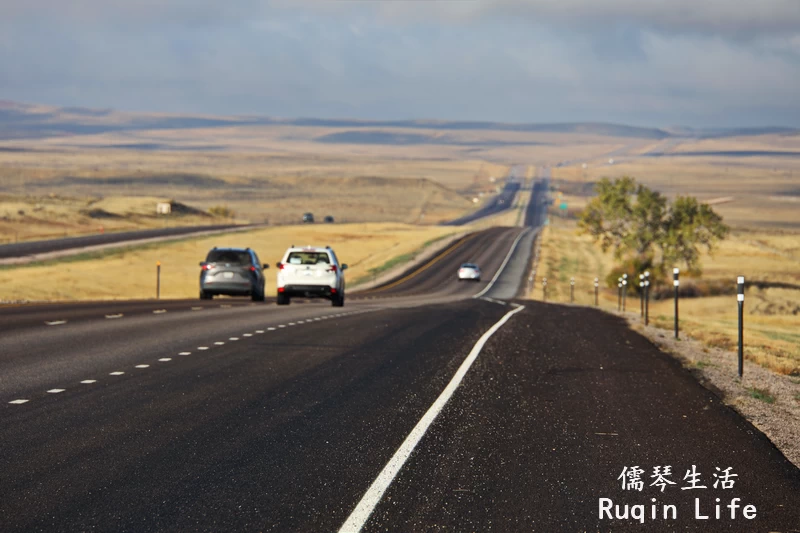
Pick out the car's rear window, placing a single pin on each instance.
(308, 258)
(468, 265)
(228, 256)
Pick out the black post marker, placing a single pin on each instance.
(619, 296)
(596, 288)
(676, 283)
(740, 298)
(624, 290)
(646, 298)
(158, 280)
(641, 298)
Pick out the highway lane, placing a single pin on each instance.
(561, 401)
(288, 416)
(499, 203)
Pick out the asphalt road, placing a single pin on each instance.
(503, 201)
(32, 248)
(310, 418)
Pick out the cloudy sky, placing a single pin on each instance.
(644, 62)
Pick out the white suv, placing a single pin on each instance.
(311, 272)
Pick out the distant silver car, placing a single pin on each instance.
(469, 271)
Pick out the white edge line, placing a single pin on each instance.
(505, 262)
(364, 509)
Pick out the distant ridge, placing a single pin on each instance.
(19, 121)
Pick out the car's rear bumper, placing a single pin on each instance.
(228, 288)
(308, 291)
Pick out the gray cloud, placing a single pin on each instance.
(646, 62)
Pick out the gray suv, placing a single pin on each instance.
(233, 272)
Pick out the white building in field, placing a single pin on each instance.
(163, 208)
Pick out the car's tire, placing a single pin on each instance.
(338, 300)
(206, 296)
(283, 299)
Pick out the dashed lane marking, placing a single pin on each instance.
(233, 339)
(165, 359)
(282, 326)
(159, 311)
(270, 329)
(261, 330)
(55, 391)
(247, 335)
(116, 373)
(291, 323)
(56, 322)
(185, 353)
(202, 347)
(219, 343)
(118, 315)
(18, 402)
(142, 366)
(196, 308)
(88, 381)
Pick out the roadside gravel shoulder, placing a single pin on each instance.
(770, 401)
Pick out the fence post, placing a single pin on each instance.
(646, 297)
(641, 296)
(571, 290)
(624, 290)
(158, 280)
(740, 298)
(676, 283)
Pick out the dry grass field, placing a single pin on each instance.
(772, 315)
(758, 193)
(130, 272)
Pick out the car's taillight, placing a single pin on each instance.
(281, 289)
(252, 269)
(206, 267)
(280, 266)
(333, 268)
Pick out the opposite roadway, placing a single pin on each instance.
(233, 416)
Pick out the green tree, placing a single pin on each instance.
(689, 226)
(637, 221)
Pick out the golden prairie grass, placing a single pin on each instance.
(258, 187)
(765, 191)
(772, 336)
(131, 273)
(45, 217)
